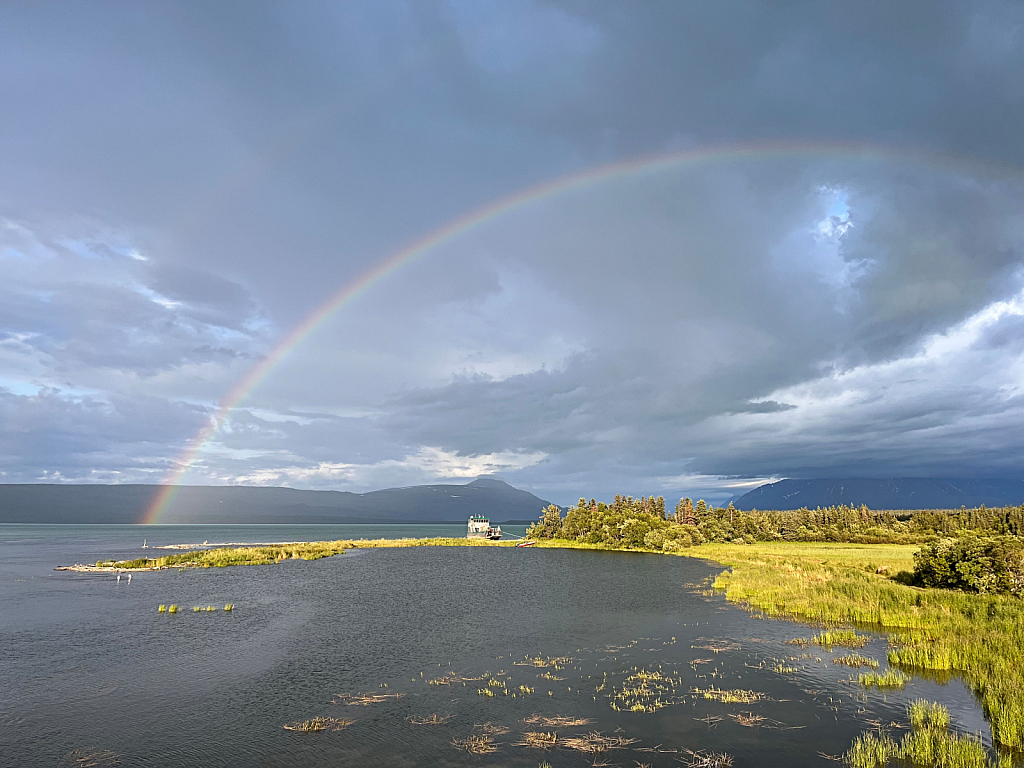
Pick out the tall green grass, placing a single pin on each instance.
(929, 743)
(978, 637)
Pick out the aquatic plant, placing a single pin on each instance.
(476, 744)
(644, 691)
(930, 743)
(538, 739)
(318, 724)
(703, 759)
(925, 714)
(556, 662)
(734, 696)
(890, 680)
(364, 699)
(432, 719)
(556, 721)
(855, 660)
(596, 742)
(845, 638)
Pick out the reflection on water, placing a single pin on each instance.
(425, 656)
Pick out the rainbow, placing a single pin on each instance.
(432, 240)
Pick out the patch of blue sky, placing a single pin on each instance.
(19, 386)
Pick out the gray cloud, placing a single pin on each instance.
(183, 183)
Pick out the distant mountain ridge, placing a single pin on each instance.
(893, 493)
(127, 504)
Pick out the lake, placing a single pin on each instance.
(490, 640)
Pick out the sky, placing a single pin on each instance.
(827, 281)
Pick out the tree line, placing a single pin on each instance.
(644, 523)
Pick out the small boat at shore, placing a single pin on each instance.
(526, 543)
(480, 528)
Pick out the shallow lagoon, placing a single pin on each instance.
(91, 668)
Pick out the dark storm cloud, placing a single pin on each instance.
(184, 182)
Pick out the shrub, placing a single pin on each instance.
(972, 564)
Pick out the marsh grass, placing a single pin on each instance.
(890, 680)
(364, 699)
(929, 743)
(538, 739)
(855, 660)
(703, 759)
(595, 743)
(645, 691)
(734, 696)
(844, 638)
(555, 662)
(925, 714)
(477, 744)
(432, 719)
(318, 724)
(556, 721)
(977, 637)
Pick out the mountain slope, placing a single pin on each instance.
(894, 493)
(249, 504)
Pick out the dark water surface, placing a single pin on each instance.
(90, 668)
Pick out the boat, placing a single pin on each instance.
(480, 528)
(526, 543)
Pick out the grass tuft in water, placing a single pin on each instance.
(845, 638)
(890, 680)
(477, 744)
(734, 696)
(538, 739)
(319, 724)
(855, 660)
(925, 714)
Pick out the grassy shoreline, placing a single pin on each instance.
(977, 637)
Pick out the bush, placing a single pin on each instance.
(993, 564)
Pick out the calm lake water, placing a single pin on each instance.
(91, 670)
